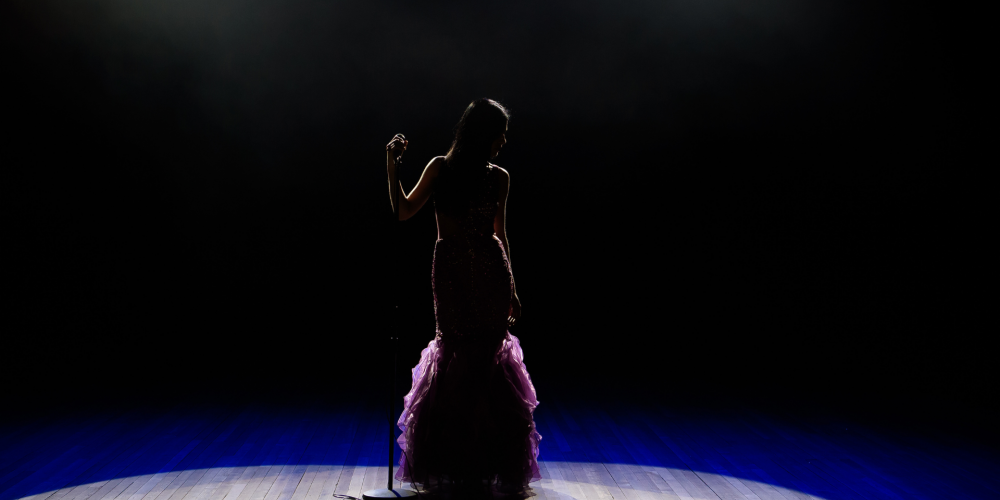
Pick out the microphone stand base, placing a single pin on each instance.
(393, 493)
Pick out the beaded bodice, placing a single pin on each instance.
(478, 221)
(470, 274)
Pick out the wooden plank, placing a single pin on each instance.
(700, 480)
(593, 480)
(574, 447)
(336, 454)
(643, 446)
(225, 451)
(267, 472)
(717, 452)
(708, 444)
(166, 468)
(291, 472)
(746, 446)
(376, 474)
(586, 450)
(227, 468)
(685, 448)
(206, 452)
(553, 484)
(252, 475)
(128, 449)
(834, 472)
(357, 459)
(165, 460)
(167, 488)
(318, 449)
(635, 480)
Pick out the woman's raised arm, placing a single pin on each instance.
(410, 204)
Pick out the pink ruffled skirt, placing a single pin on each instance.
(468, 415)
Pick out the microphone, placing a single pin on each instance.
(402, 138)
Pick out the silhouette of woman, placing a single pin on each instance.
(467, 420)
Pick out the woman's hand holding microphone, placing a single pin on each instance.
(395, 148)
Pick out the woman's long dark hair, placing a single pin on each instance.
(482, 123)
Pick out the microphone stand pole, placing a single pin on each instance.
(389, 491)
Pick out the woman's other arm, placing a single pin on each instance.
(500, 222)
(410, 204)
(500, 228)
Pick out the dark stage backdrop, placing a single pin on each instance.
(738, 201)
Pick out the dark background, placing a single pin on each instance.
(716, 201)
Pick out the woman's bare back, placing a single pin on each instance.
(447, 225)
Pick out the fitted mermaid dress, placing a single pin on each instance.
(468, 415)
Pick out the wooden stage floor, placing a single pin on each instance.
(589, 451)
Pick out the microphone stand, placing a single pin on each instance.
(389, 491)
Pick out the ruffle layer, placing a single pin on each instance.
(440, 417)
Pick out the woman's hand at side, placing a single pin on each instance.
(515, 310)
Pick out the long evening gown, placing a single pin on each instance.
(468, 415)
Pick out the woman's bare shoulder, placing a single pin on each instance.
(503, 173)
(434, 166)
